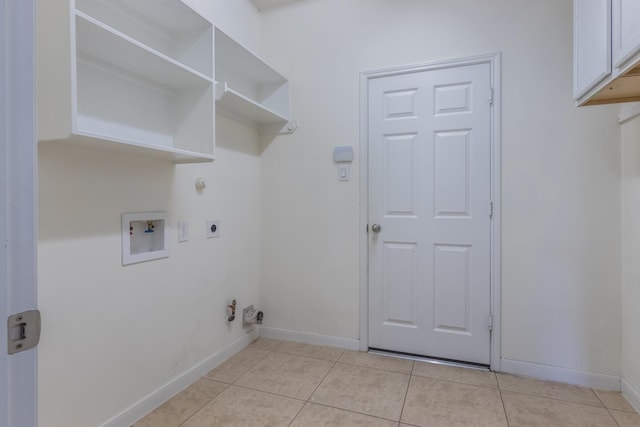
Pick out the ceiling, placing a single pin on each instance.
(267, 4)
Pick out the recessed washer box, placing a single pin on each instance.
(144, 237)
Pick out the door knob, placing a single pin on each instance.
(376, 228)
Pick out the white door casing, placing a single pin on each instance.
(18, 388)
(432, 273)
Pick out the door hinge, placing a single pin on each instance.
(491, 96)
(367, 228)
(23, 331)
(490, 208)
(490, 322)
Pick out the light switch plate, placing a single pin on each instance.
(213, 228)
(183, 231)
(344, 174)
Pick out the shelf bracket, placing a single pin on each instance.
(221, 90)
(272, 130)
(289, 127)
(628, 112)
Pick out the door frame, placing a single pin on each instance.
(494, 61)
(18, 204)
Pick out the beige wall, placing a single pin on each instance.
(112, 335)
(631, 256)
(560, 171)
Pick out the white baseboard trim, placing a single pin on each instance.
(310, 338)
(138, 410)
(631, 394)
(563, 375)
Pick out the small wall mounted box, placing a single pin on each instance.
(343, 156)
(144, 237)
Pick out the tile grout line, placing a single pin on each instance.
(267, 392)
(456, 382)
(269, 351)
(226, 385)
(252, 366)
(243, 372)
(205, 405)
(612, 417)
(334, 363)
(316, 388)
(553, 398)
(608, 410)
(297, 413)
(374, 367)
(406, 392)
(357, 413)
(504, 407)
(615, 409)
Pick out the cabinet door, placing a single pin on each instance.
(626, 30)
(591, 43)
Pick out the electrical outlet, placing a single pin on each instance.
(246, 311)
(213, 229)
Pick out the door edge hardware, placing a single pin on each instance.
(23, 331)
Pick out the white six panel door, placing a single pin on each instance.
(429, 190)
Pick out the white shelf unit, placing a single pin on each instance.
(247, 88)
(132, 75)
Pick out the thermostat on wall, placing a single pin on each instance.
(343, 154)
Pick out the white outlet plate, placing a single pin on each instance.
(213, 228)
(244, 316)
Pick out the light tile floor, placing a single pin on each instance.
(281, 383)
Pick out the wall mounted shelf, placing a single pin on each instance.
(247, 88)
(136, 75)
(235, 103)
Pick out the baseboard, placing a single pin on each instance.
(631, 394)
(132, 414)
(310, 338)
(563, 375)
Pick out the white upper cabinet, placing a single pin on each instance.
(606, 51)
(132, 75)
(591, 44)
(626, 30)
(247, 88)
